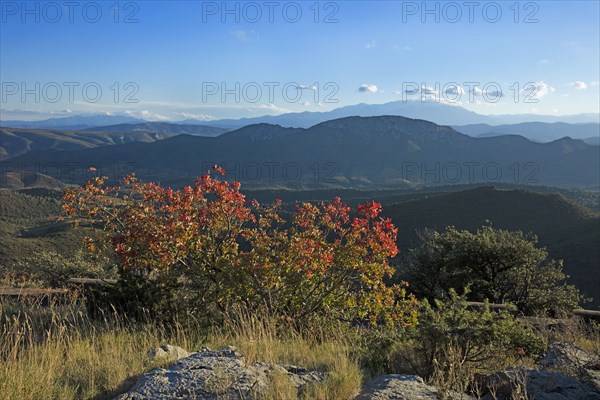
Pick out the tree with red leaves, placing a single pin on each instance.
(217, 251)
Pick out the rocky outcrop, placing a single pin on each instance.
(224, 374)
(573, 361)
(403, 387)
(518, 383)
(167, 352)
(215, 374)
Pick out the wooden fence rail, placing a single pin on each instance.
(43, 296)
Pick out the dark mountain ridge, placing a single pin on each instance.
(536, 131)
(350, 152)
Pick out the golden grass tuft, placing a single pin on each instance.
(57, 352)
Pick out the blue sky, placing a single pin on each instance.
(171, 61)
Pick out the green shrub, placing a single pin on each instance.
(498, 265)
(451, 338)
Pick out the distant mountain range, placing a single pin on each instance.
(536, 131)
(164, 128)
(592, 140)
(73, 122)
(440, 113)
(16, 141)
(385, 151)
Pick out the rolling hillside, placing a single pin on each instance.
(28, 180)
(15, 141)
(30, 230)
(28, 223)
(570, 231)
(355, 152)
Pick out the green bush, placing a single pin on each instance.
(449, 336)
(498, 265)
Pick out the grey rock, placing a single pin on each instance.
(573, 361)
(533, 384)
(167, 352)
(214, 374)
(403, 387)
(500, 386)
(546, 385)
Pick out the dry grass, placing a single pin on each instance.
(57, 352)
(574, 330)
(324, 348)
(280, 388)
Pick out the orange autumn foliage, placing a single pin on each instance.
(324, 260)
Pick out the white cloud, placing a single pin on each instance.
(147, 115)
(302, 87)
(579, 85)
(428, 90)
(595, 83)
(398, 47)
(34, 114)
(305, 103)
(545, 61)
(537, 90)
(201, 117)
(32, 111)
(477, 91)
(271, 107)
(368, 88)
(454, 90)
(493, 92)
(200, 108)
(543, 89)
(371, 44)
(425, 90)
(244, 36)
